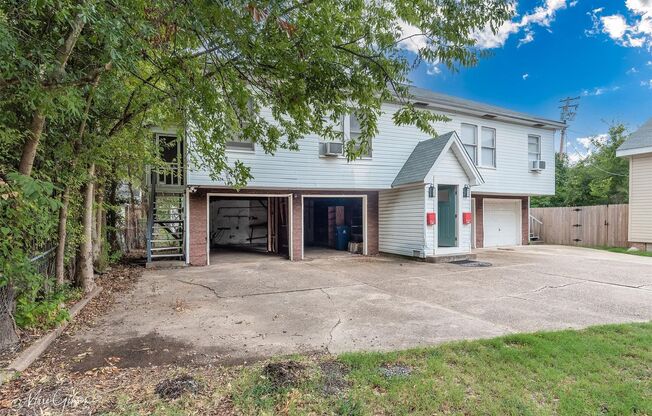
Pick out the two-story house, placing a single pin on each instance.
(411, 195)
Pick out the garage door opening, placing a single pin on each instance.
(333, 225)
(244, 227)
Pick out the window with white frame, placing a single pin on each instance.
(533, 147)
(238, 142)
(488, 147)
(355, 131)
(470, 140)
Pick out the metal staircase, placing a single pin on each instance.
(535, 230)
(166, 219)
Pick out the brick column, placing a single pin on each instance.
(372, 223)
(198, 229)
(297, 226)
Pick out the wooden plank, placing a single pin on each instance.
(599, 225)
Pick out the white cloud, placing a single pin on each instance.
(634, 30)
(585, 147)
(599, 91)
(573, 3)
(526, 76)
(632, 70)
(542, 15)
(647, 84)
(413, 40)
(529, 37)
(615, 26)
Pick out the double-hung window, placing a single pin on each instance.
(470, 140)
(488, 147)
(533, 147)
(238, 142)
(355, 131)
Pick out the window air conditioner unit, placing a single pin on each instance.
(537, 165)
(332, 148)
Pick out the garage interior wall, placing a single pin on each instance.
(251, 224)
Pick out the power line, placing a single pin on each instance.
(583, 156)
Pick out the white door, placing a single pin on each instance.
(502, 222)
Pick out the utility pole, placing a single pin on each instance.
(568, 112)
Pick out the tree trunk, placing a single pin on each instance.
(85, 276)
(38, 118)
(97, 234)
(112, 218)
(8, 334)
(61, 247)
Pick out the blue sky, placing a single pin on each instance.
(599, 50)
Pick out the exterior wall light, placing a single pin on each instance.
(431, 191)
(466, 192)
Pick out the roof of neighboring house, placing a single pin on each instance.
(638, 142)
(446, 102)
(423, 157)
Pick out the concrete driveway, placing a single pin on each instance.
(248, 307)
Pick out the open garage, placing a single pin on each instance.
(248, 224)
(334, 223)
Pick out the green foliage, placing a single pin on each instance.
(38, 309)
(601, 178)
(27, 221)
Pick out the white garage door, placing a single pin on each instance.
(502, 222)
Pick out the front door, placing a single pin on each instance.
(447, 212)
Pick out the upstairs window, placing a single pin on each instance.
(244, 145)
(239, 143)
(488, 152)
(470, 140)
(533, 147)
(355, 131)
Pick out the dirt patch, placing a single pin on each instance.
(284, 374)
(175, 388)
(144, 351)
(334, 377)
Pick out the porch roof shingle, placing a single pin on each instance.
(423, 157)
(641, 138)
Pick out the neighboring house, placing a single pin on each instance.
(638, 149)
(411, 195)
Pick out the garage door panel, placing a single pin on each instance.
(501, 223)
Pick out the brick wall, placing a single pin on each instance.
(198, 225)
(479, 218)
(198, 229)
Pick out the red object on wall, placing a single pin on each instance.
(466, 218)
(431, 218)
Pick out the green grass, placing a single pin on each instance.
(624, 251)
(601, 370)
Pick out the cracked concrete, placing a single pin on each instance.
(261, 306)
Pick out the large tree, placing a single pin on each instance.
(82, 80)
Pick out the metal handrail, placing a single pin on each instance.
(150, 214)
(535, 219)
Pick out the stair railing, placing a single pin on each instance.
(535, 227)
(150, 214)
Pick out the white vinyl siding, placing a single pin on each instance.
(305, 169)
(640, 199)
(469, 137)
(401, 221)
(448, 171)
(241, 145)
(488, 147)
(533, 148)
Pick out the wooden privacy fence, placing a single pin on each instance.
(597, 225)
